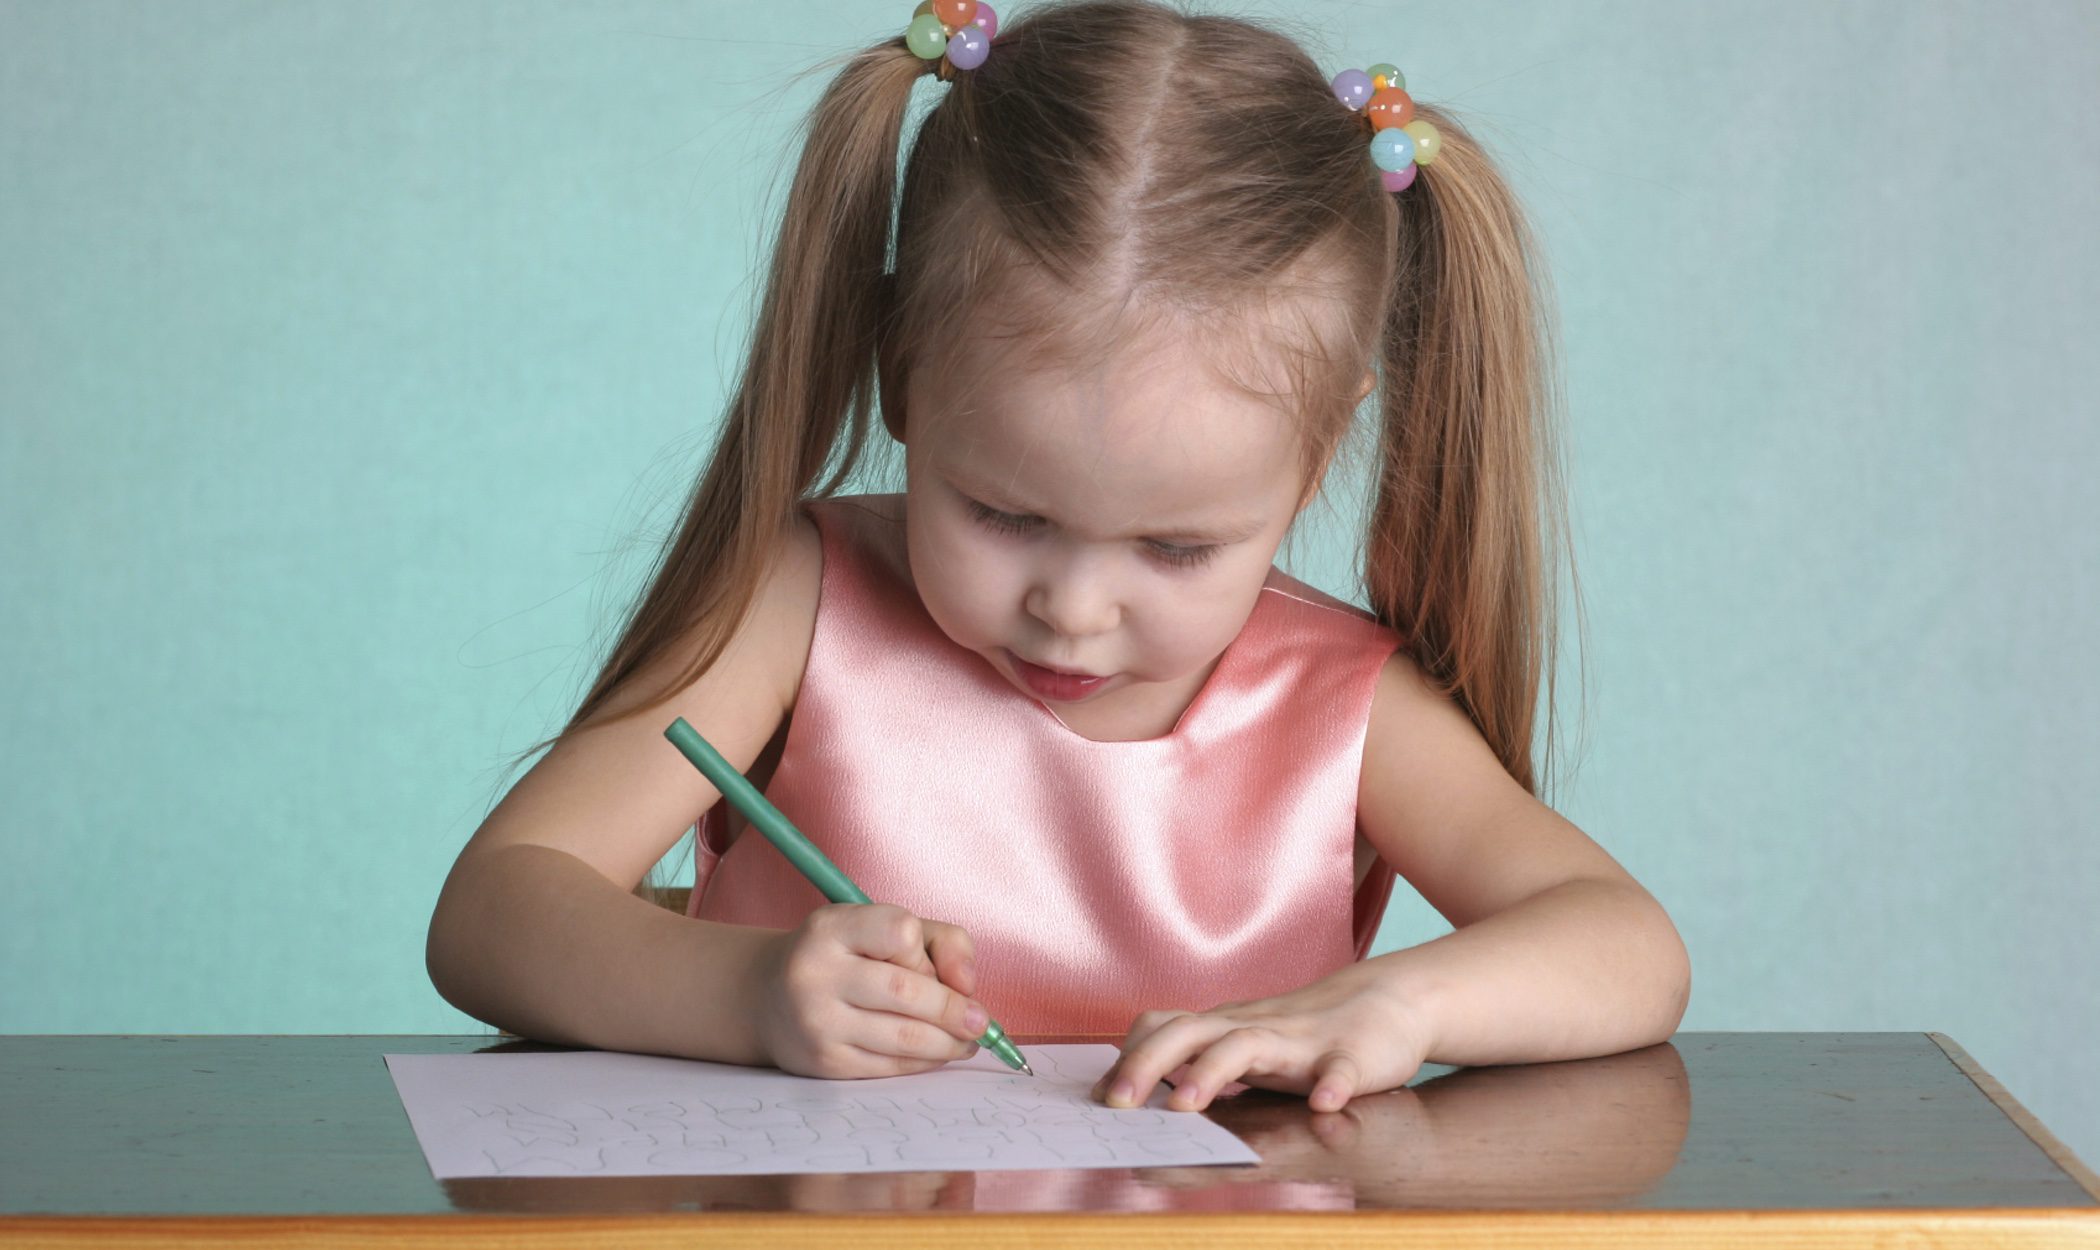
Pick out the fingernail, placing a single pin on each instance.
(974, 1019)
(1124, 1092)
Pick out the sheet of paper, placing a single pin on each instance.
(604, 1113)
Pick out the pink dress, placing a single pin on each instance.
(1096, 879)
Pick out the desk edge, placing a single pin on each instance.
(2039, 1133)
(1724, 1229)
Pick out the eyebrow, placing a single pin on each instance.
(1221, 531)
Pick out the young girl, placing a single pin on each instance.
(1109, 770)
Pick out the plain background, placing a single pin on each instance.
(353, 357)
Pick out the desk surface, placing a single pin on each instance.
(1714, 1138)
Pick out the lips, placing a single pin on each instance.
(1050, 683)
(1052, 668)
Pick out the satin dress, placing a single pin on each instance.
(1097, 880)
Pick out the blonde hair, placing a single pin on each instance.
(1066, 169)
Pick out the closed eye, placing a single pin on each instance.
(1186, 557)
(1005, 523)
(1167, 553)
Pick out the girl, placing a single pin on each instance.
(1110, 770)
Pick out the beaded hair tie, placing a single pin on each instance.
(1399, 140)
(958, 33)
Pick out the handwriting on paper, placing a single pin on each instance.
(605, 1113)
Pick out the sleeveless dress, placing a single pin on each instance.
(1097, 880)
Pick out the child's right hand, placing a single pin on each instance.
(867, 989)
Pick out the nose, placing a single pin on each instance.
(1074, 596)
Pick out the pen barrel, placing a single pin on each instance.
(764, 817)
(799, 850)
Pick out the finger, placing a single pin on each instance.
(887, 988)
(884, 931)
(1167, 1047)
(954, 956)
(1230, 1056)
(876, 1063)
(1336, 1079)
(1145, 1025)
(1337, 1131)
(903, 1037)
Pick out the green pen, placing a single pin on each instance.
(800, 851)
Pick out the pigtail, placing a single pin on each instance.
(808, 375)
(1468, 511)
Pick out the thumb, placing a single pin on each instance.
(1336, 1079)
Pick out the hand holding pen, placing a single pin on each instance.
(831, 1008)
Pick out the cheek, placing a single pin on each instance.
(1192, 635)
(963, 581)
(1193, 621)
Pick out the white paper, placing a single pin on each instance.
(606, 1113)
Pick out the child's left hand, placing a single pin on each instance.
(1340, 1036)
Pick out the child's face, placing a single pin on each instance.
(1134, 506)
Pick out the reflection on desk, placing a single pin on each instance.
(1714, 1139)
(1584, 1133)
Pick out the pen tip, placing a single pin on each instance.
(1025, 1068)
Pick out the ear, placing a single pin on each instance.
(1370, 383)
(889, 367)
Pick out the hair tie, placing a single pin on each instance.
(958, 33)
(1399, 141)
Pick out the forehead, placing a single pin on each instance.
(1141, 436)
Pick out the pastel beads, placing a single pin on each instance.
(968, 47)
(1390, 107)
(1393, 149)
(1427, 140)
(1400, 142)
(1353, 87)
(961, 30)
(925, 37)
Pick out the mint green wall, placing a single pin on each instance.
(353, 356)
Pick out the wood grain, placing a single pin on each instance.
(1429, 1230)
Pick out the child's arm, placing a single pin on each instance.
(1557, 952)
(537, 931)
(538, 942)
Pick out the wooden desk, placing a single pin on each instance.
(1716, 1139)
